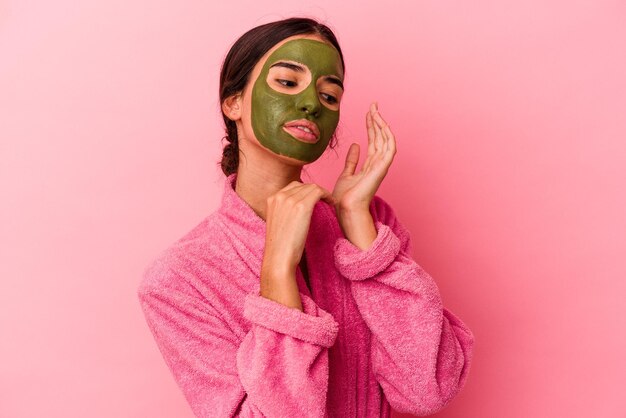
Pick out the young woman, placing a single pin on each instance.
(290, 300)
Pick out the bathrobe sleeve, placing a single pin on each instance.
(278, 369)
(421, 352)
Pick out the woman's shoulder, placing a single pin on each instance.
(182, 259)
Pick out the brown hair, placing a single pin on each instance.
(240, 61)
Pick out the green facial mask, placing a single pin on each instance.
(271, 109)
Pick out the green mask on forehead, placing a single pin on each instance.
(271, 109)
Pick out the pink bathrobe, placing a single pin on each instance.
(373, 333)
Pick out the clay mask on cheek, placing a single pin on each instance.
(271, 109)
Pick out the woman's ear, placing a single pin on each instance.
(232, 107)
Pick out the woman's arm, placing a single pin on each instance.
(280, 368)
(421, 352)
(288, 214)
(281, 286)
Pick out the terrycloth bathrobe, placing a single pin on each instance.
(373, 333)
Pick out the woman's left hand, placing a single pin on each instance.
(353, 191)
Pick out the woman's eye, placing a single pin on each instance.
(329, 98)
(286, 83)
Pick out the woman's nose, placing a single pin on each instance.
(308, 102)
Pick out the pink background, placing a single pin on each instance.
(510, 122)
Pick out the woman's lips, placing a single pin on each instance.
(300, 135)
(303, 130)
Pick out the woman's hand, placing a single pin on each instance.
(288, 218)
(353, 192)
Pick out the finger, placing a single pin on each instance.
(378, 142)
(318, 193)
(352, 159)
(306, 189)
(371, 138)
(289, 197)
(292, 188)
(391, 143)
(289, 190)
(311, 193)
(330, 199)
(387, 133)
(378, 118)
(381, 124)
(371, 133)
(291, 185)
(298, 192)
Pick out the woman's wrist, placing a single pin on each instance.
(357, 226)
(277, 271)
(278, 283)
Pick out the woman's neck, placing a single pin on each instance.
(257, 180)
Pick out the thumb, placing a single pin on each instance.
(352, 158)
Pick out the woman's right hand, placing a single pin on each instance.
(288, 217)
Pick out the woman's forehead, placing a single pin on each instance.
(318, 56)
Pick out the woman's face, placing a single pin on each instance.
(296, 91)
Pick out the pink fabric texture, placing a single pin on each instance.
(373, 333)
